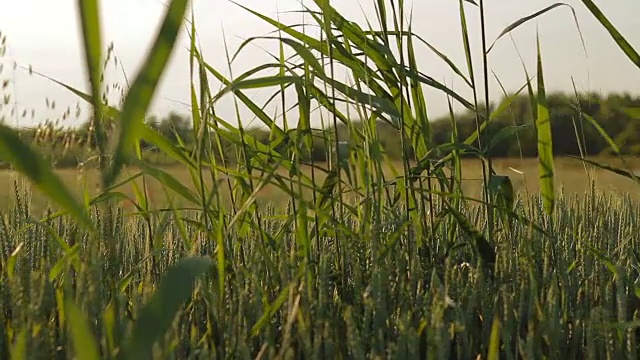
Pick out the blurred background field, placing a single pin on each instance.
(573, 178)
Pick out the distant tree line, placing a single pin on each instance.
(572, 121)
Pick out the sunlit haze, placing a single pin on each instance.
(44, 34)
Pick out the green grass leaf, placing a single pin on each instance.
(28, 162)
(84, 344)
(254, 83)
(169, 181)
(627, 174)
(545, 143)
(19, 346)
(90, 21)
(504, 105)
(157, 315)
(506, 133)
(525, 19)
(602, 132)
(623, 44)
(141, 93)
(494, 340)
(252, 106)
(270, 311)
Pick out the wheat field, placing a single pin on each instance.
(573, 177)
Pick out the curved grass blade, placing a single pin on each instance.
(465, 41)
(631, 53)
(70, 256)
(90, 21)
(602, 132)
(28, 162)
(545, 143)
(271, 311)
(615, 170)
(525, 19)
(165, 145)
(141, 93)
(157, 315)
(501, 108)
(169, 181)
(304, 124)
(484, 250)
(505, 133)
(255, 109)
(105, 195)
(409, 34)
(254, 83)
(108, 111)
(431, 82)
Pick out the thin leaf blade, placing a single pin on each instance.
(545, 143)
(28, 162)
(139, 97)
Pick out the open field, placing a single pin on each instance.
(573, 177)
(418, 274)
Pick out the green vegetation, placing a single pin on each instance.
(366, 254)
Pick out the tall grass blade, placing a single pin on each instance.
(169, 181)
(255, 83)
(91, 32)
(143, 88)
(545, 143)
(494, 340)
(28, 162)
(613, 169)
(525, 19)
(19, 346)
(90, 21)
(83, 341)
(622, 43)
(602, 132)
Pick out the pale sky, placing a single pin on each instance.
(45, 35)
